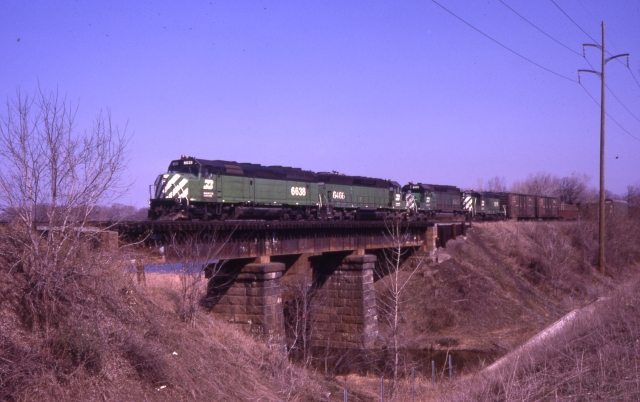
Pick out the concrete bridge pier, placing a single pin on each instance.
(429, 245)
(249, 294)
(347, 316)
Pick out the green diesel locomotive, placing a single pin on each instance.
(483, 206)
(196, 188)
(427, 201)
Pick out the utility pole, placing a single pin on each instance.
(602, 116)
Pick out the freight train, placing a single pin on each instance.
(500, 206)
(195, 188)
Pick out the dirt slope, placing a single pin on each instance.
(504, 283)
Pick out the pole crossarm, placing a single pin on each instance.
(591, 44)
(598, 73)
(615, 57)
(606, 60)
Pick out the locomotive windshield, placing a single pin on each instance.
(184, 166)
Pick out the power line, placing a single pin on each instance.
(620, 61)
(575, 23)
(567, 47)
(614, 95)
(633, 76)
(626, 108)
(585, 32)
(596, 21)
(495, 41)
(533, 25)
(608, 115)
(540, 66)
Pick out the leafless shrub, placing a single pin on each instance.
(191, 254)
(51, 172)
(394, 301)
(622, 242)
(300, 301)
(632, 195)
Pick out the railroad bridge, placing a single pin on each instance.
(252, 260)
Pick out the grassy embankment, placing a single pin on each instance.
(508, 281)
(113, 339)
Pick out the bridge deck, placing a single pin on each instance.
(251, 239)
(243, 225)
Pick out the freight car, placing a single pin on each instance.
(196, 188)
(518, 206)
(433, 200)
(546, 207)
(483, 206)
(568, 211)
(527, 206)
(616, 207)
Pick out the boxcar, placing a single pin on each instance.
(546, 207)
(568, 211)
(518, 206)
(616, 207)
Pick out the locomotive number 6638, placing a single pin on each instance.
(299, 191)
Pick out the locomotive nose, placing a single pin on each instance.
(175, 186)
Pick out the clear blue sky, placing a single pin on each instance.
(400, 90)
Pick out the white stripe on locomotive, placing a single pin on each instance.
(169, 184)
(178, 188)
(468, 203)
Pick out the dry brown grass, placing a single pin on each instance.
(505, 283)
(116, 339)
(508, 280)
(594, 359)
(126, 342)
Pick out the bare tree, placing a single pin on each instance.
(497, 184)
(52, 176)
(393, 302)
(572, 189)
(632, 195)
(541, 183)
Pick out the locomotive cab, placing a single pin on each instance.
(174, 191)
